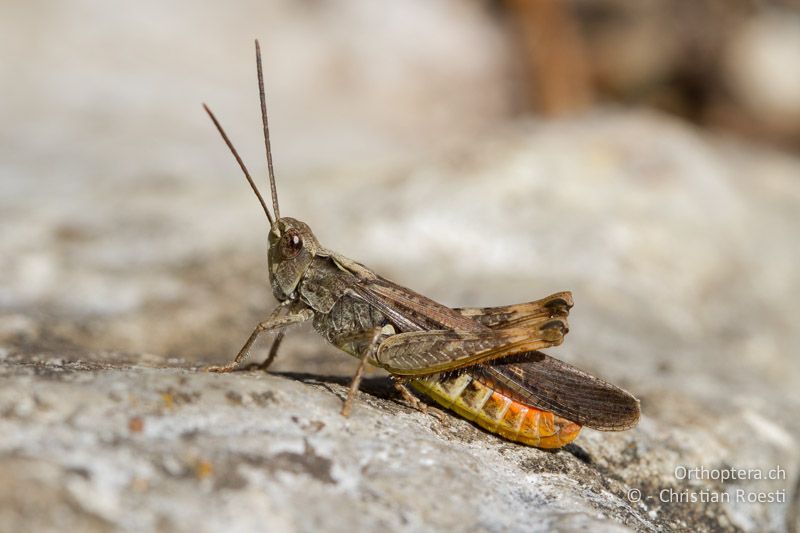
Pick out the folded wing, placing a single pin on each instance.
(536, 379)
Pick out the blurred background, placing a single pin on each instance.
(645, 155)
(642, 154)
(103, 135)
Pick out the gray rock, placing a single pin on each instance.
(680, 249)
(133, 254)
(139, 445)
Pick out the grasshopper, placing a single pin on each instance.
(482, 363)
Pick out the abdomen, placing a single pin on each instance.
(494, 411)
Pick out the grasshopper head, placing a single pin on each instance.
(292, 247)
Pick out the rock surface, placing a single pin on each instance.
(681, 251)
(133, 254)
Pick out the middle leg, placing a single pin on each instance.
(356, 383)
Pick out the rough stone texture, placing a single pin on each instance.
(680, 250)
(133, 253)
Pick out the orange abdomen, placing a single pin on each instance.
(494, 411)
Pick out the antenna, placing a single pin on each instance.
(239, 160)
(266, 132)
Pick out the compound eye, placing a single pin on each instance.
(292, 243)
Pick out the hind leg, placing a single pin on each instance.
(416, 403)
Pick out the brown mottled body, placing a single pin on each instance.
(469, 393)
(482, 363)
